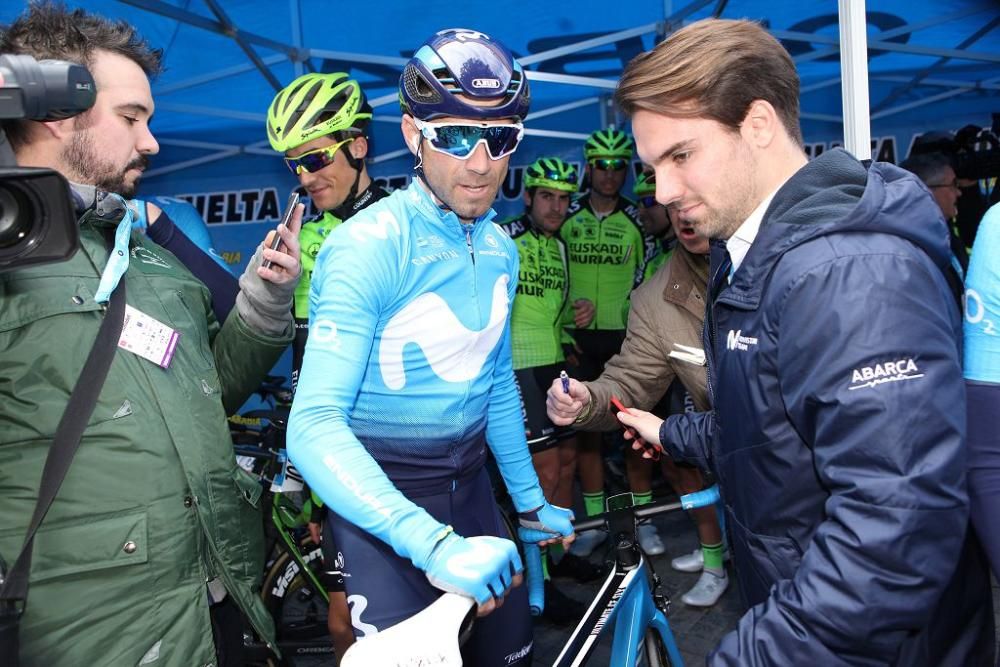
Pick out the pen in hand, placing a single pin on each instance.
(564, 378)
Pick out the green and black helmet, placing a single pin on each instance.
(315, 105)
(645, 184)
(551, 172)
(608, 143)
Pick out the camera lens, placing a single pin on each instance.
(15, 217)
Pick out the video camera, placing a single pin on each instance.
(37, 218)
(974, 151)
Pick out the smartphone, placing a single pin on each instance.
(654, 452)
(286, 217)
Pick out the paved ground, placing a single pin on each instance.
(697, 630)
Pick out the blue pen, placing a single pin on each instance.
(564, 378)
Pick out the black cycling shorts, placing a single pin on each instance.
(532, 384)
(332, 576)
(597, 346)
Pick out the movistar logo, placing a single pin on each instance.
(735, 340)
(890, 371)
(454, 352)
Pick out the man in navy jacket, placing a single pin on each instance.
(833, 339)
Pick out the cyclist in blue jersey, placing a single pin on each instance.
(408, 377)
(982, 381)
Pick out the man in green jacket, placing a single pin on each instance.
(154, 535)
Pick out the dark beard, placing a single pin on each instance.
(82, 159)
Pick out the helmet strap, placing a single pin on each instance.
(418, 170)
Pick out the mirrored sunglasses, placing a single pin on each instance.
(315, 160)
(609, 164)
(459, 140)
(649, 201)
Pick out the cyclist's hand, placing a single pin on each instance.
(483, 568)
(315, 532)
(546, 525)
(583, 313)
(648, 427)
(563, 408)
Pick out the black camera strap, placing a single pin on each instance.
(67, 439)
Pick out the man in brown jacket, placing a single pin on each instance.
(662, 344)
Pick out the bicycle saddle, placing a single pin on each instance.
(431, 637)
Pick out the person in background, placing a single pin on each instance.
(536, 328)
(319, 122)
(607, 249)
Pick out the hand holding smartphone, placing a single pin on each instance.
(286, 218)
(654, 452)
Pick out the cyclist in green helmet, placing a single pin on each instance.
(540, 307)
(607, 249)
(655, 220)
(320, 121)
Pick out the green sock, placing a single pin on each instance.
(713, 558)
(545, 563)
(642, 498)
(594, 503)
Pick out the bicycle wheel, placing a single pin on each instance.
(299, 610)
(654, 654)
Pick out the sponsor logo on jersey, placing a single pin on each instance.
(491, 241)
(358, 605)
(889, 371)
(735, 340)
(435, 257)
(379, 228)
(325, 332)
(454, 352)
(147, 256)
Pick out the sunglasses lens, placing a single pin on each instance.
(610, 164)
(648, 201)
(460, 140)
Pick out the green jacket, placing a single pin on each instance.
(154, 505)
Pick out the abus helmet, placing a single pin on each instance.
(551, 172)
(609, 143)
(315, 105)
(459, 62)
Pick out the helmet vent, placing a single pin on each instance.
(417, 89)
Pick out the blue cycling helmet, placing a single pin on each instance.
(463, 62)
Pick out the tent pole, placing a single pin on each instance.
(854, 78)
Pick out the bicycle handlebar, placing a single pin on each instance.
(534, 578)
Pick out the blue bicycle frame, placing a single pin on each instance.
(627, 600)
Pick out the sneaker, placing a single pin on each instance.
(692, 562)
(587, 541)
(560, 609)
(574, 567)
(650, 540)
(707, 591)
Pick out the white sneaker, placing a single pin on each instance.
(707, 591)
(587, 541)
(692, 562)
(650, 540)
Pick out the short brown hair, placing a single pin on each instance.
(714, 69)
(49, 30)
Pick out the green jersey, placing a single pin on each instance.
(542, 291)
(311, 238)
(658, 256)
(606, 258)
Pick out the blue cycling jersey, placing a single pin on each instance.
(982, 303)
(407, 371)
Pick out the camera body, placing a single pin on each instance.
(974, 151)
(37, 218)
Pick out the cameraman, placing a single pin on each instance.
(153, 545)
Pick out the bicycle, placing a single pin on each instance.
(629, 600)
(291, 587)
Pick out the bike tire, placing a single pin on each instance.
(299, 611)
(654, 652)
